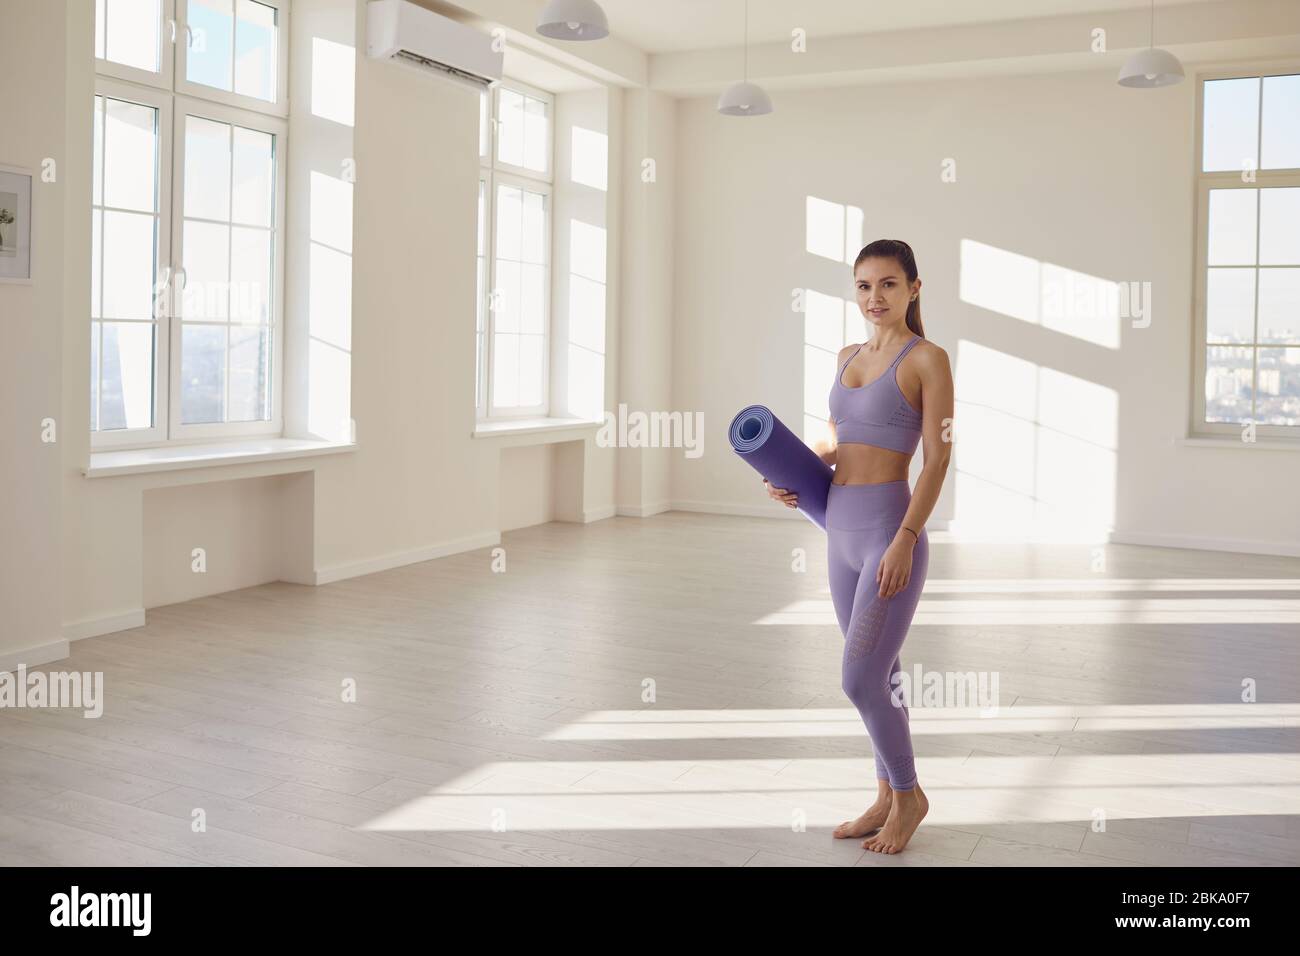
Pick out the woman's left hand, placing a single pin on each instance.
(895, 568)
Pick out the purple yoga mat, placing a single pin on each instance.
(782, 458)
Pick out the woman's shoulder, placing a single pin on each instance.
(929, 355)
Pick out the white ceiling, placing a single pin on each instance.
(662, 26)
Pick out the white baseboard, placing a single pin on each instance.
(93, 627)
(34, 656)
(939, 526)
(397, 559)
(1201, 543)
(765, 511)
(967, 532)
(772, 510)
(644, 511)
(598, 514)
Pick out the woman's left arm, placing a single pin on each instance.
(932, 366)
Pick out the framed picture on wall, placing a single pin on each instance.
(15, 224)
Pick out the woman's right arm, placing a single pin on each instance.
(825, 450)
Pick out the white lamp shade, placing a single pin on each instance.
(1151, 67)
(744, 99)
(573, 20)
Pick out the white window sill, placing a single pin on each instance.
(104, 464)
(1264, 444)
(529, 426)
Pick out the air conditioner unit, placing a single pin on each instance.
(401, 31)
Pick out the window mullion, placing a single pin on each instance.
(176, 325)
(175, 215)
(234, 45)
(1254, 351)
(103, 189)
(176, 320)
(230, 245)
(225, 389)
(99, 375)
(160, 396)
(490, 250)
(523, 133)
(489, 279)
(1259, 209)
(484, 299)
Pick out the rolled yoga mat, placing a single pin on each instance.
(782, 458)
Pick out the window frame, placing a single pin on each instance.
(200, 91)
(163, 91)
(221, 113)
(482, 314)
(167, 32)
(491, 172)
(111, 88)
(532, 92)
(1203, 184)
(500, 178)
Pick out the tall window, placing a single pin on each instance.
(187, 210)
(514, 252)
(1248, 255)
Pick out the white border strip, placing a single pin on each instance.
(95, 626)
(397, 559)
(33, 656)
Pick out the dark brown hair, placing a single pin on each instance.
(899, 250)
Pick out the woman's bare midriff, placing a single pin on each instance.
(857, 464)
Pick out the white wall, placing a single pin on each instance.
(578, 363)
(319, 203)
(33, 128)
(527, 486)
(646, 371)
(701, 268)
(1067, 169)
(245, 533)
(419, 485)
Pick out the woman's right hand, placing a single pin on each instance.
(789, 498)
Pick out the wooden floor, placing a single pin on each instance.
(665, 691)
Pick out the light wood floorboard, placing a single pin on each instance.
(503, 719)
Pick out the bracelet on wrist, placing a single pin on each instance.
(910, 531)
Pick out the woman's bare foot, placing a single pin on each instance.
(873, 819)
(908, 810)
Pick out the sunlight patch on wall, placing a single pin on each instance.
(1063, 300)
(1035, 449)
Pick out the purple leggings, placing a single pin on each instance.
(861, 521)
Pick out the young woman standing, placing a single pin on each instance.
(891, 393)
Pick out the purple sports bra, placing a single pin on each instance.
(876, 413)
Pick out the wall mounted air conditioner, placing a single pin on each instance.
(402, 32)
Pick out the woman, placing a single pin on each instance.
(889, 393)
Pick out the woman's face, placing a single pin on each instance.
(883, 290)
